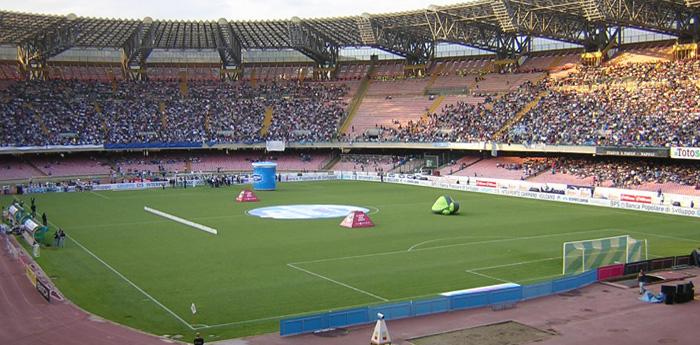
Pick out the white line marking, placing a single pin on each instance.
(254, 320)
(450, 246)
(376, 209)
(100, 195)
(128, 281)
(181, 220)
(516, 263)
(339, 283)
(487, 276)
(450, 238)
(664, 236)
(538, 278)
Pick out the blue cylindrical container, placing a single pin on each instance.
(264, 176)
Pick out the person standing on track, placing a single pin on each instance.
(60, 237)
(642, 279)
(198, 340)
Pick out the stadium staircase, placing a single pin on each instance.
(434, 77)
(37, 171)
(411, 166)
(555, 63)
(253, 79)
(267, 121)
(163, 115)
(105, 128)
(39, 120)
(519, 115)
(328, 165)
(356, 100)
(184, 89)
(433, 107)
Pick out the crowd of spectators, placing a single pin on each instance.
(70, 112)
(371, 162)
(465, 122)
(649, 104)
(529, 167)
(629, 173)
(653, 104)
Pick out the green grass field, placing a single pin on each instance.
(258, 270)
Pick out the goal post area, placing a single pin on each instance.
(585, 255)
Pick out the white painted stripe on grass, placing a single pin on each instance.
(181, 220)
(128, 281)
(450, 246)
(516, 263)
(540, 277)
(339, 283)
(451, 238)
(488, 276)
(665, 236)
(100, 195)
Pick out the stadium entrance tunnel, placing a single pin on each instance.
(305, 211)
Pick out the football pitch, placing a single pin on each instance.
(145, 271)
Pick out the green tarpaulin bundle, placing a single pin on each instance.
(445, 205)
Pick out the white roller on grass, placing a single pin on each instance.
(181, 221)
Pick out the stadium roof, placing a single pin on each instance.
(502, 26)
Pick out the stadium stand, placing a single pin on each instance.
(368, 162)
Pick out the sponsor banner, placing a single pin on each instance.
(579, 191)
(642, 199)
(43, 290)
(685, 153)
(640, 203)
(632, 151)
(30, 274)
(275, 145)
(490, 184)
(130, 185)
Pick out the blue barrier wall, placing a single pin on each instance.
(401, 310)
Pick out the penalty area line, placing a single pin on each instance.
(487, 276)
(128, 281)
(338, 283)
(181, 220)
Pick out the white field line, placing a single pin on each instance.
(128, 281)
(181, 220)
(451, 238)
(100, 195)
(248, 321)
(664, 236)
(448, 246)
(487, 276)
(474, 271)
(538, 278)
(339, 283)
(515, 264)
